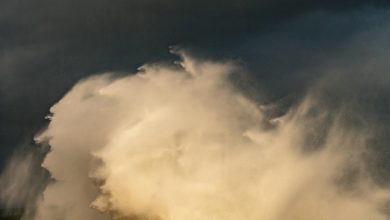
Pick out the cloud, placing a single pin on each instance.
(175, 142)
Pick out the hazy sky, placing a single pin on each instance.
(48, 45)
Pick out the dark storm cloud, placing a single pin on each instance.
(47, 45)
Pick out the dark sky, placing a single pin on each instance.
(48, 45)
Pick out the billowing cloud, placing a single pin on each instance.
(182, 142)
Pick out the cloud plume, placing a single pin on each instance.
(175, 142)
